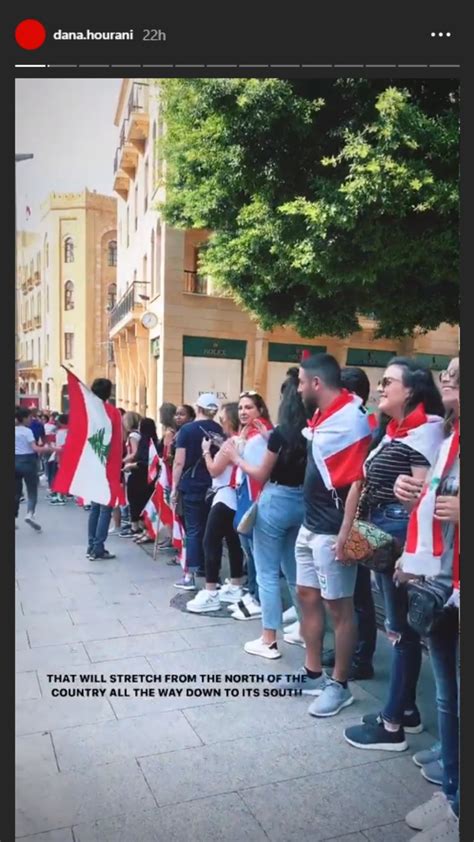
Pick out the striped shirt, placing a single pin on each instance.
(393, 459)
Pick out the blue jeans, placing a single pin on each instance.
(26, 468)
(246, 541)
(406, 657)
(279, 517)
(444, 652)
(195, 513)
(98, 526)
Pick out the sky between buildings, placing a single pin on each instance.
(68, 125)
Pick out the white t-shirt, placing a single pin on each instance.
(224, 494)
(24, 438)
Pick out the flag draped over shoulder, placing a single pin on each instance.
(153, 462)
(91, 460)
(340, 437)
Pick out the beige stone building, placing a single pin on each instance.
(174, 335)
(66, 289)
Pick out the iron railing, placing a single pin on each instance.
(138, 99)
(134, 298)
(195, 283)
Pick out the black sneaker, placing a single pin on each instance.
(104, 555)
(376, 737)
(412, 724)
(361, 671)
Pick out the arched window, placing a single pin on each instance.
(112, 253)
(69, 295)
(69, 250)
(111, 296)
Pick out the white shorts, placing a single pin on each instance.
(316, 566)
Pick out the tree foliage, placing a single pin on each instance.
(326, 198)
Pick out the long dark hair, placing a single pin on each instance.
(292, 417)
(420, 381)
(147, 431)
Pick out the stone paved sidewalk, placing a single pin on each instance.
(131, 769)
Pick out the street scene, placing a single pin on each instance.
(237, 460)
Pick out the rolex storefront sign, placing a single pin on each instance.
(213, 365)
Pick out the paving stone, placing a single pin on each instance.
(111, 741)
(21, 641)
(34, 754)
(222, 819)
(128, 647)
(52, 657)
(44, 714)
(397, 832)
(64, 835)
(26, 686)
(83, 673)
(404, 770)
(170, 619)
(48, 801)
(231, 765)
(41, 635)
(365, 796)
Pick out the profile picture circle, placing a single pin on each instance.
(30, 34)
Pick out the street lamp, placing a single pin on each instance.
(18, 157)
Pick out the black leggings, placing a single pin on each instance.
(220, 525)
(139, 491)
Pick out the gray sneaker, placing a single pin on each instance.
(301, 681)
(333, 698)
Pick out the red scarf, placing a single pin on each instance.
(400, 429)
(344, 398)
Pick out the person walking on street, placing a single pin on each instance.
(26, 465)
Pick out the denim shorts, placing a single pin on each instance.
(316, 566)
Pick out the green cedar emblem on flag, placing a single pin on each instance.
(100, 449)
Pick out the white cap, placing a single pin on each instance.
(208, 401)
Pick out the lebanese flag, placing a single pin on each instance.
(151, 518)
(161, 496)
(153, 462)
(340, 437)
(424, 543)
(423, 433)
(91, 459)
(179, 541)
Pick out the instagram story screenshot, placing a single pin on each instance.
(232, 571)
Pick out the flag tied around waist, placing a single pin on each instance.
(91, 459)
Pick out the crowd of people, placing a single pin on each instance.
(288, 501)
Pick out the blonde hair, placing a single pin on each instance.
(131, 421)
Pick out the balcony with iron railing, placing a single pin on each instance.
(138, 118)
(130, 306)
(197, 284)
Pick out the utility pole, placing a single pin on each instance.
(18, 158)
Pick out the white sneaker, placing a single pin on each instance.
(247, 609)
(445, 831)
(30, 520)
(203, 602)
(265, 650)
(291, 628)
(432, 813)
(290, 615)
(294, 636)
(230, 593)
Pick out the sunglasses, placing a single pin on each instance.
(250, 394)
(452, 376)
(386, 381)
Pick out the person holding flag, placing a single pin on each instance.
(142, 467)
(91, 459)
(338, 437)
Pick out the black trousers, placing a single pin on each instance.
(139, 491)
(365, 614)
(220, 525)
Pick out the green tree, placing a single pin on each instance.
(326, 198)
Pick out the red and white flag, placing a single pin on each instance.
(423, 433)
(161, 496)
(153, 462)
(341, 437)
(151, 519)
(424, 544)
(179, 541)
(91, 460)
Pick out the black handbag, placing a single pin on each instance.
(426, 605)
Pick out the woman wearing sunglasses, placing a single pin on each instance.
(251, 444)
(410, 398)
